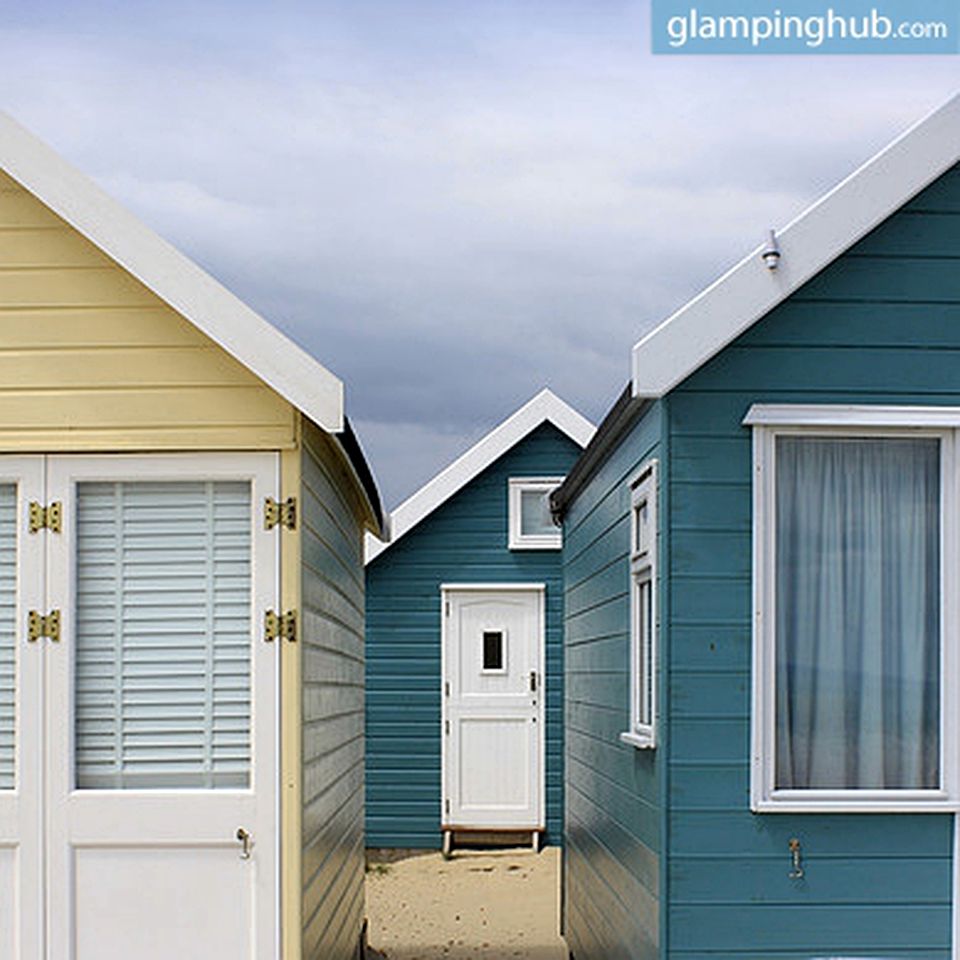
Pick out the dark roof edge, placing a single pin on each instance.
(354, 453)
(622, 415)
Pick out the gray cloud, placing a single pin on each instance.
(452, 209)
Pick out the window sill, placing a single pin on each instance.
(638, 740)
(937, 804)
(535, 544)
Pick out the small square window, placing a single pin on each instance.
(531, 524)
(493, 650)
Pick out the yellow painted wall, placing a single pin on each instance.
(90, 359)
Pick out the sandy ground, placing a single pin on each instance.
(481, 905)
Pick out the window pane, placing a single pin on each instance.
(858, 624)
(535, 517)
(492, 650)
(163, 635)
(645, 652)
(8, 608)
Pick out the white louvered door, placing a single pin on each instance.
(161, 710)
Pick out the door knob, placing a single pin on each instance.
(246, 841)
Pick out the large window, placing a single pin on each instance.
(850, 645)
(643, 608)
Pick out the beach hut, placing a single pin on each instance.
(464, 664)
(760, 556)
(182, 507)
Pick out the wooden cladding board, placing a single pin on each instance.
(90, 359)
(331, 649)
(612, 863)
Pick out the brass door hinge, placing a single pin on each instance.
(446, 806)
(276, 513)
(39, 626)
(446, 727)
(42, 517)
(277, 625)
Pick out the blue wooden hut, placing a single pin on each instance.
(464, 646)
(761, 624)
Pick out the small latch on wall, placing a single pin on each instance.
(39, 626)
(277, 625)
(796, 873)
(277, 513)
(50, 518)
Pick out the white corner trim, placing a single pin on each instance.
(852, 415)
(700, 329)
(173, 277)
(546, 406)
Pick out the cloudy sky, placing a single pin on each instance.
(451, 203)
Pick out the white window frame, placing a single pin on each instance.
(770, 422)
(504, 648)
(643, 643)
(517, 540)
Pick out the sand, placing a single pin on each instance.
(481, 905)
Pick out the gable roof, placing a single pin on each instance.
(545, 407)
(697, 331)
(174, 278)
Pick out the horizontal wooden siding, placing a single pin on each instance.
(465, 541)
(91, 359)
(880, 325)
(332, 708)
(611, 883)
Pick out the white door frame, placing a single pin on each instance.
(534, 587)
(154, 818)
(21, 809)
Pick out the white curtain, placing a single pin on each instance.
(858, 598)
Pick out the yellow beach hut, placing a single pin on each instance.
(182, 512)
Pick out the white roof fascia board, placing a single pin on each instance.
(845, 416)
(545, 406)
(704, 326)
(173, 277)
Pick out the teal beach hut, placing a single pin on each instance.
(464, 662)
(762, 656)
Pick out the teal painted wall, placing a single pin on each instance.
(612, 867)
(880, 325)
(332, 650)
(465, 540)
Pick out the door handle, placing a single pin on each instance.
(246, 842)
(533, 681)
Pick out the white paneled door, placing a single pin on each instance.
(155, 717)
(493, 707)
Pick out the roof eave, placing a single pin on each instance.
(545, 407)
(699, 330)
(172, 276)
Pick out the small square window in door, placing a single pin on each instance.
(493, 651)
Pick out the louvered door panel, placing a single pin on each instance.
(162, 669)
